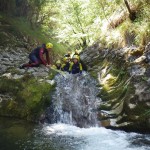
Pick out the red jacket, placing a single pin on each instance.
(38, 52)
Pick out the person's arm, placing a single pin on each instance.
(41, 51)
(62, 67)
(70, 68)
(80, 66)
(47, 58)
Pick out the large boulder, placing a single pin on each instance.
(123, 75)
(24, 93)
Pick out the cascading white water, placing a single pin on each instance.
(75, 101)
(67, 137)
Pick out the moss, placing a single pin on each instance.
(93, 74)
(138, 116)
(116, 89)
(13, 71)
(105, 107)
(29, 98)
(139, 110)
(111, 93)
(10, 86)
(3, 39)
(52, 74)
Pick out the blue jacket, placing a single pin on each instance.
(75, 68)
(65, 67)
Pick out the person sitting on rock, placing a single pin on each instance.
(57, 65)
(66, 64)
(75, 66)
(36, 56)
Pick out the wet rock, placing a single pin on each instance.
(30, 70)
(51, 82)
(131, 106)
(137, 70)
(17, 76)
(147, 48)
(39, 74)
(5, 59)
(21, 71)
(5, 97)
(140, 59)
(147, 57)
(128, 94)
(8, 75)
(3, 68)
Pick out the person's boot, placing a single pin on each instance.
(21, 67)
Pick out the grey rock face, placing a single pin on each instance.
(5, 97)
(137, 70)
(11, 59)
(125, 78)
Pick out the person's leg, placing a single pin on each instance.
(34, 62)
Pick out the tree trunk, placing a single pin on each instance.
(132, 14)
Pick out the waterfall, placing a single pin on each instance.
(75, 101)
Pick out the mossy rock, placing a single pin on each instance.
(105, 107)
(93, 74)
(29, 98)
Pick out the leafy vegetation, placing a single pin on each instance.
(80, 23)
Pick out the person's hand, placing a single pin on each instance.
(49, 66)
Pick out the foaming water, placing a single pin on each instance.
(18, 135)
(95, 138)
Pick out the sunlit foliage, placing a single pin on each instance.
(80, 23)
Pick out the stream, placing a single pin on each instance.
(19, 135)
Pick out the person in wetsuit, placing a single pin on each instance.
(75, 66)
(57, 65)
(65, 66)
(36, 56)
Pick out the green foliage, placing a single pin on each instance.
(7, 6)
(9, 86)
(80, 23)
(23, 26)
(78, 17)
(85, 22)
(19, 28)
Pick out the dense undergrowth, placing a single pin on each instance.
(18, 32)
